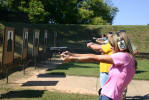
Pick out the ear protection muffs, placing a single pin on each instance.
(121, 43)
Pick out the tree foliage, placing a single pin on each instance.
(59, 11)
(62, 11)
(36, 12)
(99, 9)
(98, 21)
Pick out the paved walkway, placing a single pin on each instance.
(77, 84)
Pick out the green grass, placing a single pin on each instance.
(45, 95)
(142, 72)
(91, 69)
(78, 69)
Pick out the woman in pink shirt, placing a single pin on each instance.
(123, 65)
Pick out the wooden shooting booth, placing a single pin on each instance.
(25, 44)
(24, 54)
(8, 48)
(35, 46)
(1, 46)
(45, 41)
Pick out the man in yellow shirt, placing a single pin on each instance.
(105, 49)
(104, 67)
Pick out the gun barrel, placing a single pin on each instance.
(57, 48)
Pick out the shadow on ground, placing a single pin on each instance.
(40, 83)
(52, 75)
(145, 97)
(140, 71)
(23, 94)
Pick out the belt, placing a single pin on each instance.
(105, 72)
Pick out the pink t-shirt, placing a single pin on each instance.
(120, 74)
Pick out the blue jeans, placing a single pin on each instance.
(103, 78)
(104, 98)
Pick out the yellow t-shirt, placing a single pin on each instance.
(104, 67)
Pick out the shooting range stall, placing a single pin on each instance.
(14, 48)
(24, 48)
(45, 40)
(8, 48)
(36, 46)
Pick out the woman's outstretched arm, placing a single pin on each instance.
(69, 57)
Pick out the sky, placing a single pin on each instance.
(131, 12)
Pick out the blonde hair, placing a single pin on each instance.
(114, 42)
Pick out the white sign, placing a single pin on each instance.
(10, 35)
(45, 34)
(36, 35)
(26, 35)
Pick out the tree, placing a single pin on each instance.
(62, 11)
(10, 12)
(36, 12)
(24, 10)
(89, 10)
(98, 21)
(58, 11)
(3, 5)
